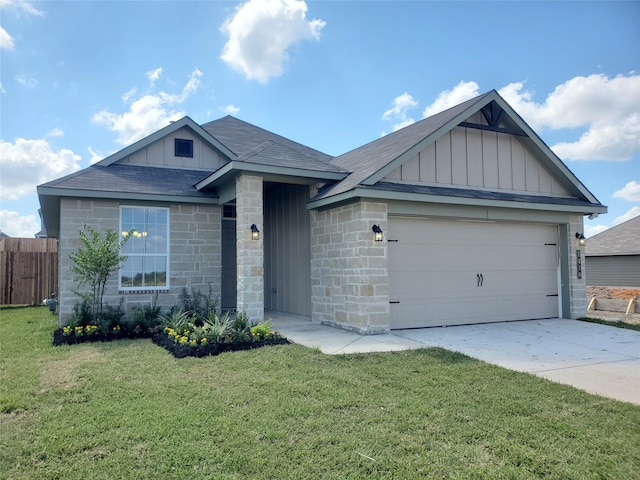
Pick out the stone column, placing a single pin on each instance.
(250, 253)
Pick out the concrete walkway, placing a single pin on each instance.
(595, 358)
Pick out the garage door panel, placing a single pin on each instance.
(435, 267)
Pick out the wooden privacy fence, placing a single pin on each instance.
(28, 270)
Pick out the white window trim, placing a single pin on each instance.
(144, 289)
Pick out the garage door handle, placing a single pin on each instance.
(395, 302)
(480, 279)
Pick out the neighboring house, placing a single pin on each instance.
(613, 256)
(477, 221)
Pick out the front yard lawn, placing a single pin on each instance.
(129, 409)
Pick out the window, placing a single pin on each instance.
(147, 251)
(183, 148)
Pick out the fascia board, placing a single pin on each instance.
(450, 125)
(163, 132)
(234, 168)
(149, 197)
(425, 198)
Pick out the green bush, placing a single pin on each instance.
(198, 303)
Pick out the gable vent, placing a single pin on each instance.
(183, 148)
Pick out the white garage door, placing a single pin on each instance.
(456, 272)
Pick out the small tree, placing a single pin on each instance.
(94, 262)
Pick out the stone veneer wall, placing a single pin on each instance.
(349, 270)
(577, 286)
(195, 251)
(250, 253)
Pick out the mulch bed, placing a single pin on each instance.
(163, 340)
(214, 348)
(60, 339)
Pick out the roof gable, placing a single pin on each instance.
(371, 163)
(163, 132)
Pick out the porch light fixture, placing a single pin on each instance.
(581, 238)
(377, 233)
(255, 233)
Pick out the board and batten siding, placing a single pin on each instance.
(162, 154)
(613, 270)
(287, 245)
(472, 158)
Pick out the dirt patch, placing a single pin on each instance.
(613, 293)
(63, 374)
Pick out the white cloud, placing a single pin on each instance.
(56, 132)
(260, 33)
(2, 90)
(154, 75)
(230, 110)
(28, 82)
(450, 98)
(21, 5)
(96, 156)
(15, 225)
(604, 106)
(630, 192)
(399, 113)
(591, 230)
(632, 213)
(148, 113)
(6, 40)
(27, 163)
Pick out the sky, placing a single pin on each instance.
(80, 80)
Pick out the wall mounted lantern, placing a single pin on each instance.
(255, 233)
(377, 233)
(581, 238)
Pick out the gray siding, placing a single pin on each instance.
(161, 154)
(287, 244)
(613, 271)
(467, 157)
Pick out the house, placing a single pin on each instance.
(463, 217)
(613, 256)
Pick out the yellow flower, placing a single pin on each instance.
(203, 341)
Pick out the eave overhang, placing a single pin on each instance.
(50, 198)
(231, 170)
(525, 202)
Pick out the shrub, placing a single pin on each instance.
(93, 264)
(198, 303)
(147, 318)
(262, 330)
(217, 327)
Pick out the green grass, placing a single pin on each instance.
(128, 409)
(619, 324)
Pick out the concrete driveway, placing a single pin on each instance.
(595, 358)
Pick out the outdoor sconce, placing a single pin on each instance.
(581, 238)
(377, 233)
(255, 233)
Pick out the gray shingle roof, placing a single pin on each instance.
(258, 145)
(118, 178)
(623, 239)
(279, 154)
